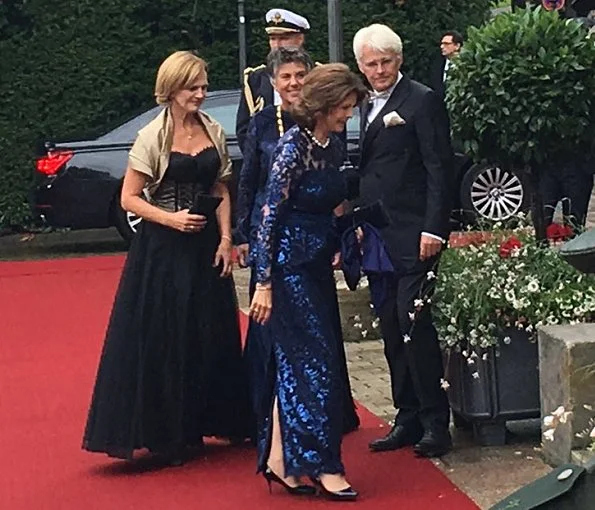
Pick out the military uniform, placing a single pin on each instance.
(257, 90)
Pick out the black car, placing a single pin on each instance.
(79, 182)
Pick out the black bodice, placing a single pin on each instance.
(187, 175)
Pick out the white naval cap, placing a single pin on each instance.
(282, 20)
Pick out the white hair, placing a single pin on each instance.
(378, 37)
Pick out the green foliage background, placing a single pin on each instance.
(72, 69)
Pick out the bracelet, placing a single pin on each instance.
(262, 287)
(226, 237)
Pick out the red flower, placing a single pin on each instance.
(506, 248)
(556, 232)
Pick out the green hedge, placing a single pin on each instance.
(71, 70)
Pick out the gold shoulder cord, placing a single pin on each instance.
(253, 106)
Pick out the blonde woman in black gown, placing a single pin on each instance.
(171, 369)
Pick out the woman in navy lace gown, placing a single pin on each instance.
(295, 294)
(288, 67)
(171, 370)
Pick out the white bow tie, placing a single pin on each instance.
(377, 96)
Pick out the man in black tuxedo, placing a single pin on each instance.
(406, 162)
(450, 46)
(284, 29)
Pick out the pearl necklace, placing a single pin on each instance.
(317, 141)
(280, 126)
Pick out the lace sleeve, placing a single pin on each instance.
(248, 183)
(283, 171)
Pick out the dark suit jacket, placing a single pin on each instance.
(437, 75)
(261, 90)
(408, 167)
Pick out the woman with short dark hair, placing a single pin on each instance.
(295, 296)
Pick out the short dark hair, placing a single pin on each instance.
(457, 37)
(288, 55)
(325, 88)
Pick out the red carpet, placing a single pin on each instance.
(53, 318)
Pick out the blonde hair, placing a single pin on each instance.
(177, 72)
(378, 37)
(325, 88)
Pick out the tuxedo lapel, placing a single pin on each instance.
(396, 99)
(364, 108)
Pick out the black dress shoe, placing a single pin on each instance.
(433, 444)
(398, 437)
(347, 494)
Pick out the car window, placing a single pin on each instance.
(221, 105)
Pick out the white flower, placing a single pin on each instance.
(588, 407)
(445, 385)
(507, 340)
(364, 333)
(470, 361)
(418, 303)
(485, 357)
(548, 435)
(559, 412)
(431, 275)
(533, 286)
(393, 119)
(358, 325)
(475, 375)
(406, 339)
(549, 421)
(375, 323)
(411, 316)
(565, 416)
(357, 318)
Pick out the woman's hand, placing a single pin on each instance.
(262, 304)
(223, 257)
(337, 260)
(243, 250)
(186, 222)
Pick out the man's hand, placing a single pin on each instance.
(337, 260)
(242, 251)
(223, 257)
(428, 247)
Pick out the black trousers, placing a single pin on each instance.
(571, 184)
(416, 366)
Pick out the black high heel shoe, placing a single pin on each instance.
(347, 494)
(298, 490)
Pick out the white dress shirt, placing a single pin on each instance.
(276, 98)
(377, 104)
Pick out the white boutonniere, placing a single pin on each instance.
(393, 119)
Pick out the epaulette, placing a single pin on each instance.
(318, 63)
(249, 70)
(253, 106)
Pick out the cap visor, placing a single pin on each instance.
(281, 30)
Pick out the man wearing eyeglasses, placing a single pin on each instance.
(450, 45)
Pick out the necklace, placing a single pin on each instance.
(280, 126)
(317, 141)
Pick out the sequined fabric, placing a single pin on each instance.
(294, 248)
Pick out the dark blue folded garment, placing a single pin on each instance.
(371, 259)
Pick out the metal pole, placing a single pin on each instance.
(335, 31)
(242, 39)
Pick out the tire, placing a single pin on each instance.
(490, 193)
(127, 223)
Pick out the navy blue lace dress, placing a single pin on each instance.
(294, 249)
(171, 370)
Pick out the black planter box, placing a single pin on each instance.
(507, 388)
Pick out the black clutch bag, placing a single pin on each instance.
(206, 205)
(375, 214)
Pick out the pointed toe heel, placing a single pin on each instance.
(298, 490)
(347, 494)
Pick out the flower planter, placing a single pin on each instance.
(505, 387)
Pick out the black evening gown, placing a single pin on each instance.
(171, 370)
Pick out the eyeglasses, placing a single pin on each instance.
(446, 43)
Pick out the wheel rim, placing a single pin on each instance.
(497, 194)
(133, 221)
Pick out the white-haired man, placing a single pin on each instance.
(405, 166)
